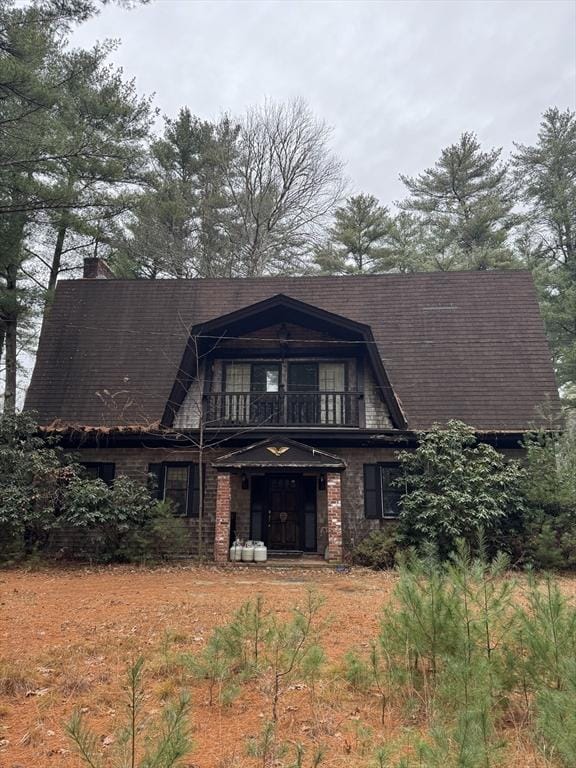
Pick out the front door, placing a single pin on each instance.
(283, 512)
(284, 505)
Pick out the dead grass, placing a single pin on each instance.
(68, 635)
(16, 679)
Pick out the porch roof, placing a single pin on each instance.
(279, 453)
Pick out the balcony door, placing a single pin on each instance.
(302, 393)
(316, 393)
(252, 393)
(265, 405)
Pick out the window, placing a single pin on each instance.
(99, 470)
(237, 377)
(178, 482)
(381, 495)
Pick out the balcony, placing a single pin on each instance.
(281, 409)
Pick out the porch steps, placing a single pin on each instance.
(313, 563)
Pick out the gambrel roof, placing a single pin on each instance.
(465, 345)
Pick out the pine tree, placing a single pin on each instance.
(105, 123)
(182, 223)
(546, 173)
(70, 128)
(465, 203)
(356, 243)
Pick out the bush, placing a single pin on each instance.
(547, 539)
(159, 535)
(33, 472)
(546, 536)
(378, 549)
(456, 488)
(119, 523)
(551, 465)
(47, 503)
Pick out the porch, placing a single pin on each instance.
(285, 494)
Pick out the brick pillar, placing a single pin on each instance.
(334, 503)
(222, 527)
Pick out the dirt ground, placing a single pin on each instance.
(66, 637)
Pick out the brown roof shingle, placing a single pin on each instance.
(466, 345)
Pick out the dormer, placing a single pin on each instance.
(283, 363)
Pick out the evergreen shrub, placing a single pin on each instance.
(378, 549)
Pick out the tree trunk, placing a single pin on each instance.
(11, 331)
(10, 305)
(57, 255)
(2, 338)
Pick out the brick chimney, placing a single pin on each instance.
(96, 269)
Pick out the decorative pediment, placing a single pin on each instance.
(279, 453)
(280, 309)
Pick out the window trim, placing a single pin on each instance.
(192, 491)
(379, 488)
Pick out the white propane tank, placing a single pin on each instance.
(260, 552)
(236, 551)
(248, 552)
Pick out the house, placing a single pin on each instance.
(285, 400)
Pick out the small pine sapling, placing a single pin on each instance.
(549, 634)
(367, 674)
(164, 744)
(265, 746)
(292, 647)
(246, 634)
(298, 760)
(216, 664)
(556, 719)
(423, 627)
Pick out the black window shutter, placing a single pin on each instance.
(106, 472)
(372, 492)
(156, 480)
(194, 491)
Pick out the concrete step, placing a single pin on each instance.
(287, 562)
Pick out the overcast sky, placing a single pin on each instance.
(396, 80)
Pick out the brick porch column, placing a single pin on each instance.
(334, 503)
(222, 527)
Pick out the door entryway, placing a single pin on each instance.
(283, 512)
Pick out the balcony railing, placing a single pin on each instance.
(285, 409)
